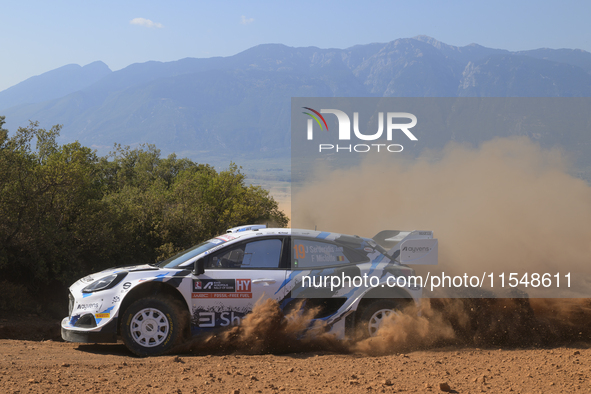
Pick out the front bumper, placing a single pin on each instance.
(105, 334)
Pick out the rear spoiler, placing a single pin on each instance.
(409, 247)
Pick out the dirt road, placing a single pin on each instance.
(52, 366)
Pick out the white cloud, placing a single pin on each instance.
(245, 21)
(145, 22)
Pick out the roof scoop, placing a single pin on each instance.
(248, 227)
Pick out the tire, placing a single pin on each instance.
(153, 326)
(372, 316)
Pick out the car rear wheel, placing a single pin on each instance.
(153, 326)
(374, 315)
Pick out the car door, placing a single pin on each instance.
(235, 278)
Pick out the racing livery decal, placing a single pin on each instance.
(217, 316)
(303, 269)
(221, 288)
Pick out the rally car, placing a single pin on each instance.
(355, 282)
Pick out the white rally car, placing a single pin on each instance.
(355, 281)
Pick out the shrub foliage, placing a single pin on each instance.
(65, 212)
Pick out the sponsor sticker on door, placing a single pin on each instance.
(222, 288)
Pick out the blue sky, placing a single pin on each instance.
(38, 36)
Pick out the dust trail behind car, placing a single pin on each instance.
(508, 323)
(483, 322)
(507, 205)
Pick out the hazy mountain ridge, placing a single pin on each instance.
(519, 75)
(53, 84)
(241, 103)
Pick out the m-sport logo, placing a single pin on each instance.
(344, 131)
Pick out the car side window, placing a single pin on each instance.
(308, 254)
(256, 254)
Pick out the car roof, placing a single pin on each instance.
(232, 238)
(325, 235)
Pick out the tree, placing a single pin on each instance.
(64, 212)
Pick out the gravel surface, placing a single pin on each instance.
(51, 366)
(466, 346)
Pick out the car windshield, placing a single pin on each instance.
(187, 254)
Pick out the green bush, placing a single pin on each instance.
(65, 212)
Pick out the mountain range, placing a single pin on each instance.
(241, 104)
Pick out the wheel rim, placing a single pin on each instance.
(149, 327)
(377, 319)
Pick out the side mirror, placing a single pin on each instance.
(199, 267)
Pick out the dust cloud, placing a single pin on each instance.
(268, 330)
(435, 323)
(414, 328)
(506, 206)
(486, 322)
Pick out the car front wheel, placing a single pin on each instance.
(153, 326)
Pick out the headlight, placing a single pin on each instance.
(70, 304)
(103, 283)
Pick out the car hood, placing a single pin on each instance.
(116, 270)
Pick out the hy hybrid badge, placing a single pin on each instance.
(345, 130)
